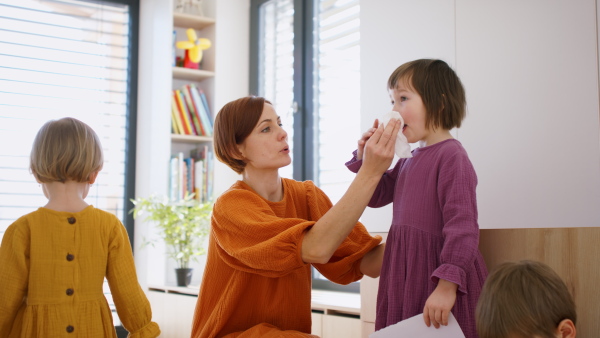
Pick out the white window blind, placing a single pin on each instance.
(57, 59)
(337, 94)
(276, 60)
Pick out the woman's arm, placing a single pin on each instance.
(326, 235)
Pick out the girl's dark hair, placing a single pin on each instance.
(439, 87)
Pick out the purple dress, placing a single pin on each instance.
(434, 234)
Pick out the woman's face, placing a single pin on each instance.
(266, 147)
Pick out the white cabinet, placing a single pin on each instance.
(173, 312)
(335, 314)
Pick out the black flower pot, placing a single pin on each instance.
(184, 276)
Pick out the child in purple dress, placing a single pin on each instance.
(432, 264)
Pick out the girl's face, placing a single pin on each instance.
(409, 104)
(266, 147)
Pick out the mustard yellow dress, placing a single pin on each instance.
(52, 269)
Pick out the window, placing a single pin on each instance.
(306, 60)
(67, 58)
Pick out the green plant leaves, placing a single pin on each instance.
(183, 225)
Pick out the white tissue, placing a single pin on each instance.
(402, 147)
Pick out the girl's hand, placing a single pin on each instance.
(440, 302)
(363, 140)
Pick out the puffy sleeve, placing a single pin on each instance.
(131, 302)
(344, 265)
(250, 237)
(14, 274)
(384, 193)
(457, 182)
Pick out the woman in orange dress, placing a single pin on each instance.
(267, 231)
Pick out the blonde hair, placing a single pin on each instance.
(523, 299)
(65, 149)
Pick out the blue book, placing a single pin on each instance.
(205, 103)
(206, 120)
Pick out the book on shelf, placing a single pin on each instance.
(193, 107)
(192, 174)
(181, 113)
(175, 119)
(205, 102)
(189, 112)
(203, 156)
(174, 49)
(204, 114)
(185, 113)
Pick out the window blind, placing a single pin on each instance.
(337, 95)
(276, 63)
(62, 58)
(57, 59)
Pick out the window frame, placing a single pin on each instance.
(131, 124)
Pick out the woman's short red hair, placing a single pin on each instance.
(233, 123)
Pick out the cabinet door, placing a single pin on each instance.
(338, 326)
(179, 313)
(317, 323)
(157, 304)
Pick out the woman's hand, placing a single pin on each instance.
(379, 149)
(440, 302)
(363, 140)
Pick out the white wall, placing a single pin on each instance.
(530, 70)
(153, 128)
(393, 32)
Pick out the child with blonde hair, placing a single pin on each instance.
(525, 299)
(54, 260)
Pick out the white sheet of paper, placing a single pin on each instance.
(415, 327)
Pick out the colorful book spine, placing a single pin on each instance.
(178, 129)
(205, 103)
(186, 113)
(194, 110)
(206, 123)
(181, 111)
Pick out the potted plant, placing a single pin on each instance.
(183, 226)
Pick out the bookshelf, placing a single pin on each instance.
(190, 116)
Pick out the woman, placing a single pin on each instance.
(267, 231)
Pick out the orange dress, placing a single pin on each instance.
(255, 283)
(52, 270)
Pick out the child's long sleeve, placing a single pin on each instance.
(131, 302)
(14, 274)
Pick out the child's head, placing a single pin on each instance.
(438, 86)
(233, 124)
(525, 299)
(65, 149)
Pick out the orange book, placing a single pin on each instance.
(186, 124)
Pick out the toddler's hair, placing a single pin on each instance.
(523, 299)
(65, 149)
(439, 87)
